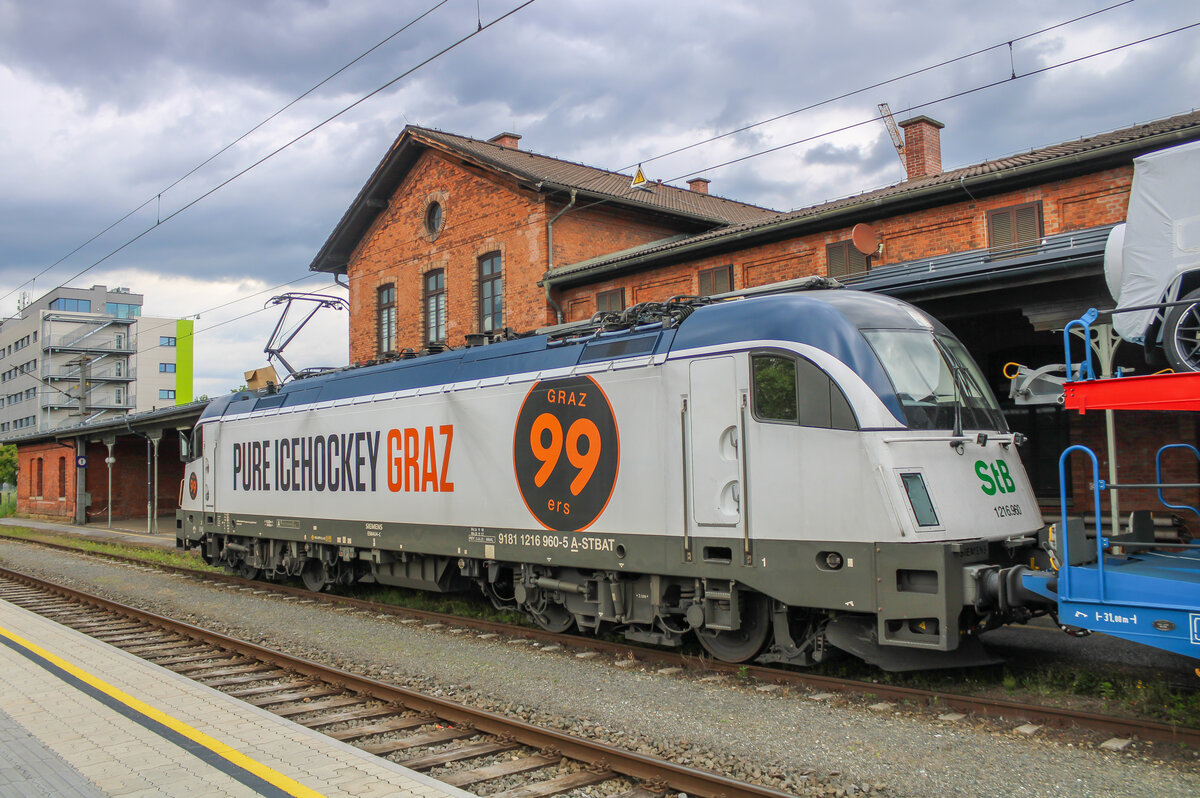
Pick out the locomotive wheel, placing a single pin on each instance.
(313, 575)
(248, 571)
(1181, 334)
(742, 644)
(554, 619)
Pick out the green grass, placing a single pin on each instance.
(147, 554)
(1098, 689)
(8, 505)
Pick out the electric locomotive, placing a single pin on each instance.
(780, 475)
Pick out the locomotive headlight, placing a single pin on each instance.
(833, 560)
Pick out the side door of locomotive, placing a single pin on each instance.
(208, 464)
(716, 447)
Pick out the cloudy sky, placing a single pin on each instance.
(107, 104)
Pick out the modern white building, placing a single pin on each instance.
(83, 354)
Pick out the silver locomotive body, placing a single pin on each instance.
(778, 475)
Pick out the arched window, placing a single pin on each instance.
(62, 477)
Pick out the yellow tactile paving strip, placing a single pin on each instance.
(132, 728)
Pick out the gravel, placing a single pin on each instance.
(783, 737)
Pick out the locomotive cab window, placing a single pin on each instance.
(794, 390)
(936, 382)
(774, 388)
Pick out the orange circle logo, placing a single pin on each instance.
(566, 452)
(193, 485)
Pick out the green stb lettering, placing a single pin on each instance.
(989, 485)
(1009, 485)
(999, 482)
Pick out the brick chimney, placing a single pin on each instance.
(506, 140)
(699, 184)
(922, 146)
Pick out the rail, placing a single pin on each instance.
(984, 706)
(602, 759)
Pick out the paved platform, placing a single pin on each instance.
(81, 718)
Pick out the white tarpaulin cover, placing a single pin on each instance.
(1162, 235)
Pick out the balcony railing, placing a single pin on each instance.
(89, 343)
(107, 373)
(57, 401)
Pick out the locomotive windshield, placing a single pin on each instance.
(938, 384)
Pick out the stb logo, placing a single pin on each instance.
(994, 477)
(193, 485)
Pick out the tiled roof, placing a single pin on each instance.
(1080, 154)
(569, 175)
(693, 209)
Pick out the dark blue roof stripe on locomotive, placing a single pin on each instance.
(828, 320)
(523, 356)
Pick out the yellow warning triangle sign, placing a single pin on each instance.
(639, 179)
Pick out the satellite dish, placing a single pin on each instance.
(865, 238)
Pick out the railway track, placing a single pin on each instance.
(453, 743)
(981, 706)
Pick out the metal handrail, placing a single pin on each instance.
(1086, 372)
(1158, 476)
(1101, 541)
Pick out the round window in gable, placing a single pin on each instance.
(433, 218)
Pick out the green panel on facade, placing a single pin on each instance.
(183, 361)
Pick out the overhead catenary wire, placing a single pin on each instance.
(160, 220)
(158, 195)
(870, 120)
(707, 168)
(873, 119)
(953, 96)
(879, 84)
(457, 43)
(480, 28)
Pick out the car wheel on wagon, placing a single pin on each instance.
(1181, 334)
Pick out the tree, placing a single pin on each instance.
(8, 463)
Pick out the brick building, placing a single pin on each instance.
(453, 236)
(65, 474)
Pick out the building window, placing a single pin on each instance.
(39, 476)
(166, 393)
(62, 477)
(433, 218)
(844, 260)
(166, 340)
(386, 311)
(72, 305)
(610, 301)
(435, 306)
(122, 310)
(119, 397)
(166, 368)
(491, 293)
(716, 281)
(1012, 231)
